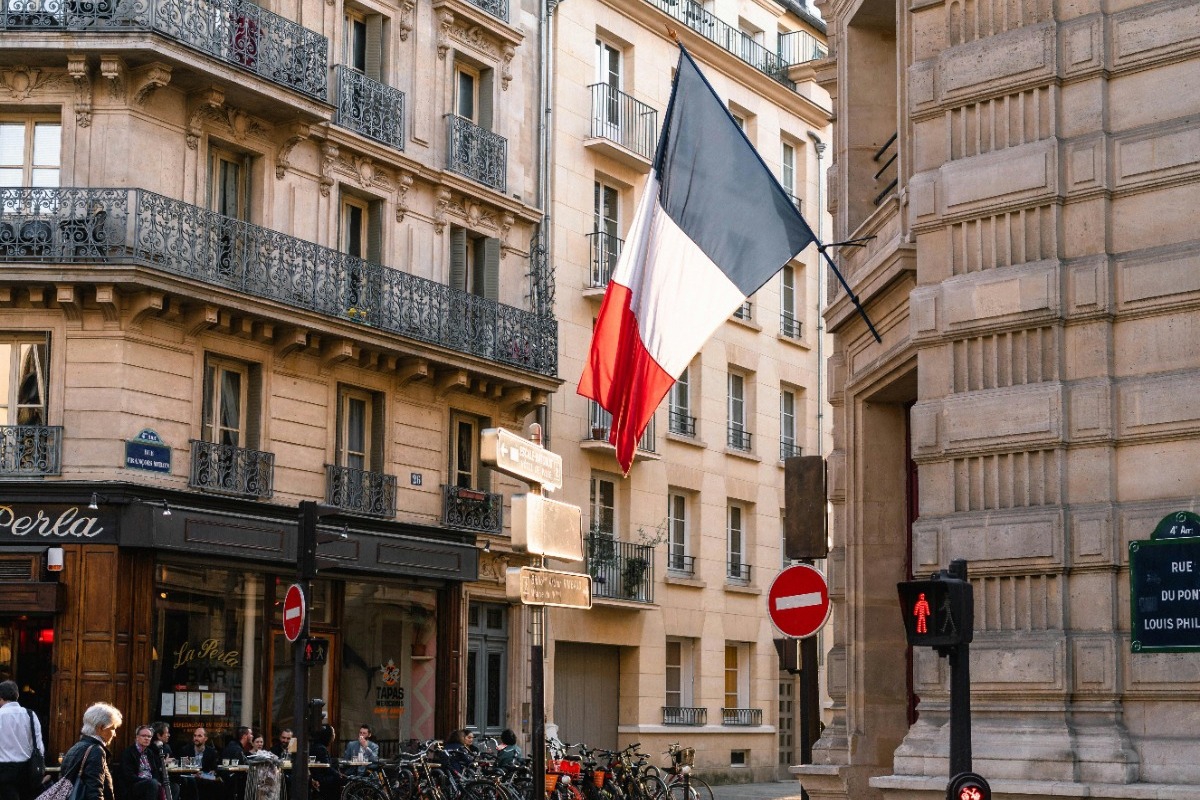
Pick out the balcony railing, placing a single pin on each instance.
(789, 326)
(693, 15)
(887, 174)
(799, 47)
(745, 311)
(620, 570)
(681, 423)
(681, 564)
(226, 469)
(619, 118)
(477, 153)
(30, 450)
(738, 438)
(601, 423)
(236, 32)
(472, 509)
(741, 716)
(606, 249)
(497, 8)
(369, 107)
(737, 571)
(360, 492)
(684, 715)
(134, 226)
(788, 448)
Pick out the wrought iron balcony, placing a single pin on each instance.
(369, 107)
(788, 448)
(745, 311)
(681, 423)
(360, 492)
(738, 438)
(601, 423)
(684, 715)
(134, 226)
(620, 570)
(619, 118)
(800, 47)
(472, 509)
(226, 469)
(789, 326)
(741, 716)
(606, 249)
(30, 450)
(681, 564)
(236, 32)
(693, 15)
(497, 8)
(737, 570)
(476, 152)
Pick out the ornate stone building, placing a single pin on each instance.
(1027, 171)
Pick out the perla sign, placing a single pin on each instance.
(55, 522)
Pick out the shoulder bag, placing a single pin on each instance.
(35, 767)
(63, 788)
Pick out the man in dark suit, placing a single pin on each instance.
(235, 753)
(206, 785)
(285, 741)
(141, 768)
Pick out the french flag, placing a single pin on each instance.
(713, 225)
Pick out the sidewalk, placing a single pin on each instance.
(789, 790)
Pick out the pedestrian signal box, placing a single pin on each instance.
(316, 651)
(968, 786)
(939, 612)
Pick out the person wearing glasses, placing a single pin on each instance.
(141, 769)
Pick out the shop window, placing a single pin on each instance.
(30, 152)
(487, 667)
(23, 363)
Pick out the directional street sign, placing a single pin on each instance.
(544, 587)
(521, 458)
(798, 602)
(293, 612)
(545, 527)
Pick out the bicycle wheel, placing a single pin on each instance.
(480, 790)
(405, 785)
(363, 789)
(696, 789)
(651, 787)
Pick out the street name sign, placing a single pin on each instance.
(293, 612)
(798, 602)
(1164, 595)
(521, 458)
(544, 587)
(545, 527)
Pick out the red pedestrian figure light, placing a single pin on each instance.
(921, 611)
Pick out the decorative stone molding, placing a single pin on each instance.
(208, 107)
(493, 567)
(506, 75)
(242, 125)
(297, 133)
(113, 69)
(364, 169)
(144, 80)
(77, 67)
(506, 223)
(477, 38)
(404, 181)
(329, 154)
(21, 81)
(445, 23)
(439, 209)
(404, 24)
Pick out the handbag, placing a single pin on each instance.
(63, 788)
(35, 767)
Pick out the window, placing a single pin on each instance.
(23, 362)
(466, 471)
(679, 673)
(737, 675)
(229, 183)
(789, 323)
(364, 44)
(737, 568)
(606, 223)
(677, 534)
(604, 507)
(788, 446)
(359, 429)
(226, 410)
(680, 405)
(487, 667)
(474, 263)
(361, 234)
(608, 73)
(787, 168)
(739, 437)
(473, 94)
(30, 152)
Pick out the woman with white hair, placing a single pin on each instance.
(89, 756)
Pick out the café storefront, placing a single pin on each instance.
(168, 605)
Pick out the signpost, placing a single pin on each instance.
(547, 527)
(545, 587)
(1164, 587)
(293, 612)
(798, 602)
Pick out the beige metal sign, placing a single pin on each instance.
(546, 527)
(544, 587)
(521, 458)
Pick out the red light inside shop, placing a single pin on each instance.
(46, 636)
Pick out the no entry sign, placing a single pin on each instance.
(798, 602)
(293, 612)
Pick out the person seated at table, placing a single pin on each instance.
(205, 785)
(162, 743)
(326, 781)
(141, 769)
(235, 754)
(285, 742)
(361, 749)
(257, 744)
(508, 752)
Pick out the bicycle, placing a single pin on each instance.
(681, 785)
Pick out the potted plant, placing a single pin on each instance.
(633, 574)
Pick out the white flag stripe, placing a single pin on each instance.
(291, 613)
(798, 601)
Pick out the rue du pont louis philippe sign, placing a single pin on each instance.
(1164, 587)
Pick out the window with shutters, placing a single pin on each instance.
(360, 427)
(363, 46)
(474, 263)
(30, 152)
(361, 236)
(232, 397)
(23, 363)
(466, 470)
(473, 93)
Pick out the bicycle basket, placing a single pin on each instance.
(684, 757)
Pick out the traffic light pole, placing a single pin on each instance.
(306, 567)
(960, 694)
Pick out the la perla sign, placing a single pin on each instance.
(48, 524)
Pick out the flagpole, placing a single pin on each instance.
(822, 249)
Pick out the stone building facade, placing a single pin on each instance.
(1027, 170)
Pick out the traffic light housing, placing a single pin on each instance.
(308, 562)
(968, 786)
(938, 612)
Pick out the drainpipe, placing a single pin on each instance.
(819, 147)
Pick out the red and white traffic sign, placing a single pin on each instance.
(798, 602)
(293, 612)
